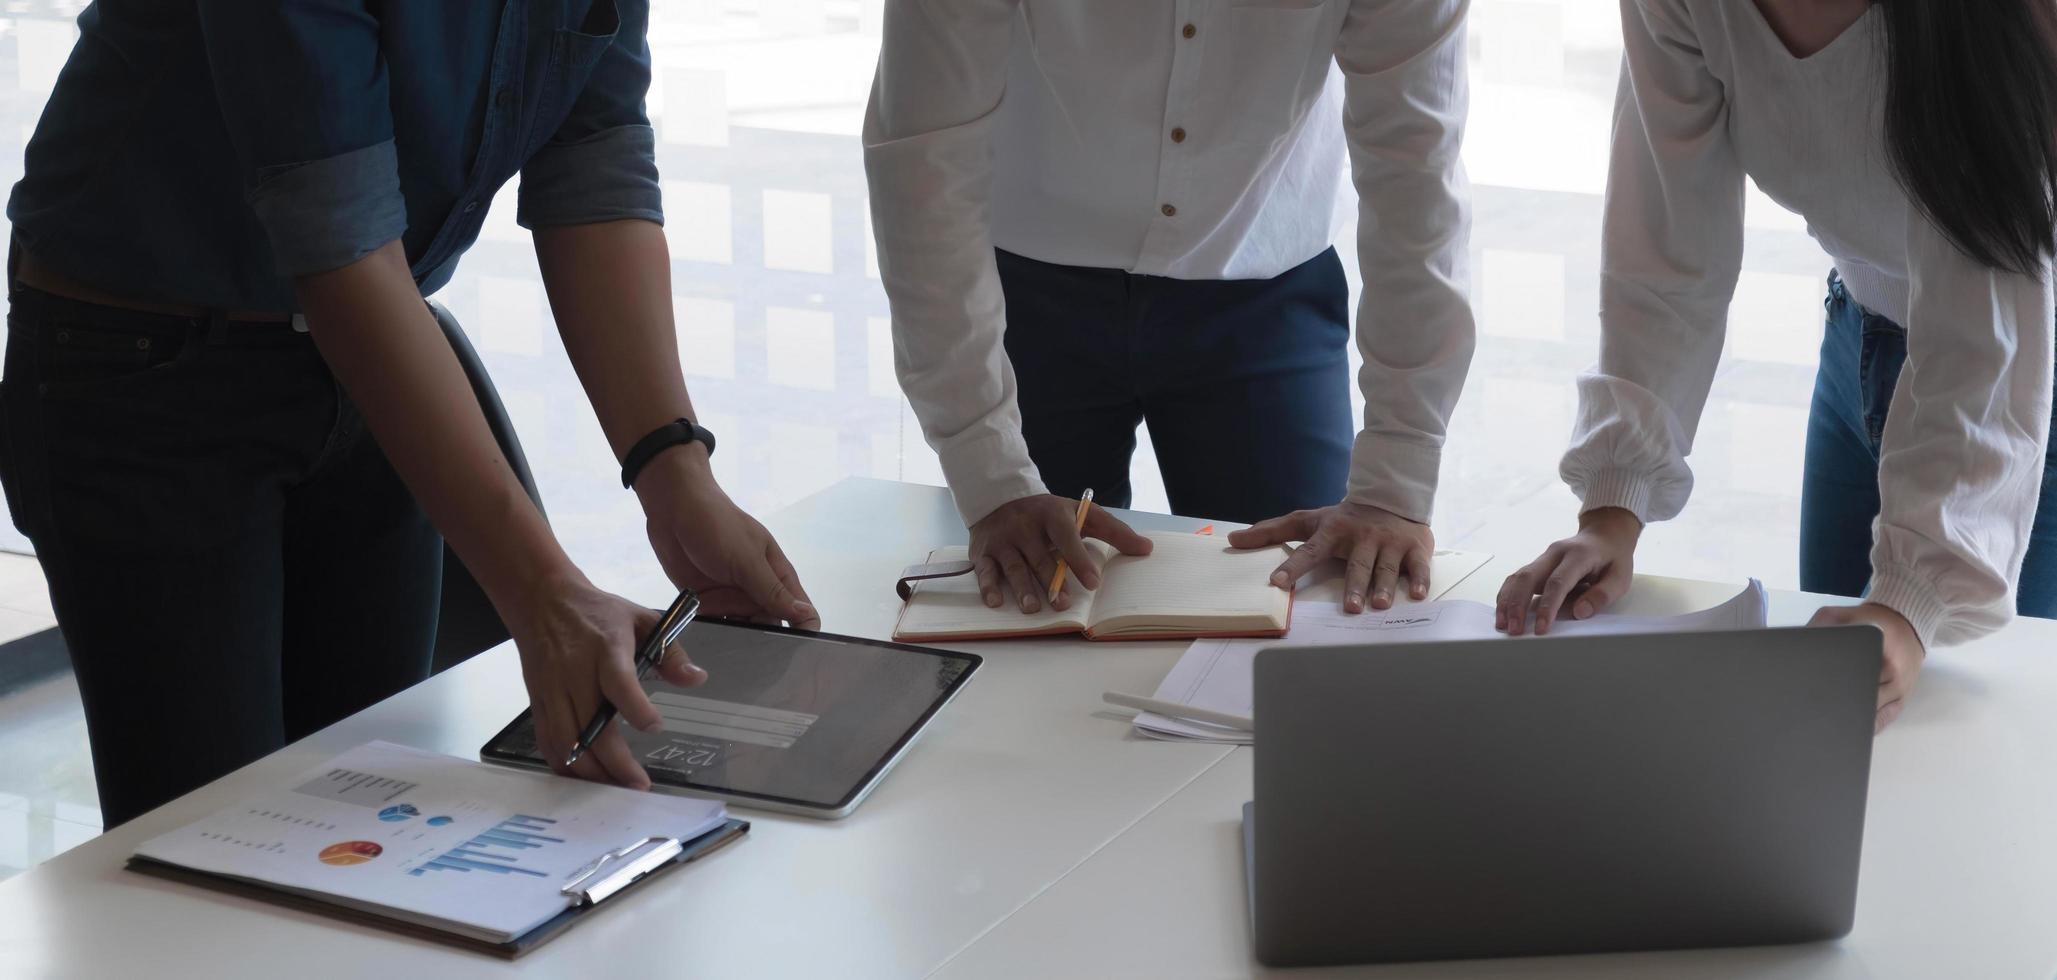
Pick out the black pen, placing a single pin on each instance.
(682, 611)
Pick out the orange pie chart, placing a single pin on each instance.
(350, 852)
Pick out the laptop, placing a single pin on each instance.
(1567, 795)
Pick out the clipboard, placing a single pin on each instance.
(604, 878)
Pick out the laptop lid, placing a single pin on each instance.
(1587, 794)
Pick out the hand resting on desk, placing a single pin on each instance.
(1904, 652)
(1378, 546)
(1583, 574)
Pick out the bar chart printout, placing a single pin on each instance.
(498, 850)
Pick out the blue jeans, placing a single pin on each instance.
(1245, 383)
(1861, 357)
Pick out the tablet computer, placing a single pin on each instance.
(788, 720)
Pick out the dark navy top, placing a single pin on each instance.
(205, 152)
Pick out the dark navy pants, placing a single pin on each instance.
(1244, 383)
(1861, 356)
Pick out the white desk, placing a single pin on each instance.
(1959, 876)
(1028, 834)
(1018, 781)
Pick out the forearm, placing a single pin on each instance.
(937, 265)
(1415, 332)
(1670, 252)
(610, 290)
(1405, 100)
(378, 338)
(928, 163)
(1962, 457)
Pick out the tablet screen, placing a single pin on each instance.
(785, 715)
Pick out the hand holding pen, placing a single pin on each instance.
(660, 638)
(578, 647)
(1021, 542)
(1085, 508)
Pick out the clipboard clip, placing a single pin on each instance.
(617, 869)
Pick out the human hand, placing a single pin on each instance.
(1581, 574)
(1378, 545)
(708, 544)
(1022, 539)
(577, 645)
(1903, 653)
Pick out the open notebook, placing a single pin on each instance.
(1217, 674)
(1189, 586)
(436, 846)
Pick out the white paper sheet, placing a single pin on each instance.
(475, 849)
(1217, 674)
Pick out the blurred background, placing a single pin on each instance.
(785, 336)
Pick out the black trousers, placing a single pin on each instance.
(233, 562)
(1245, 383)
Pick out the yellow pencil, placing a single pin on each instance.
(1085, 503)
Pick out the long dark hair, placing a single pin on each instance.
(1971, 121)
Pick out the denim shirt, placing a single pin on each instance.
(207, 152)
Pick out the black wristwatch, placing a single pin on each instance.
(677, 432)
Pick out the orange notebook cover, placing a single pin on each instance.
(1188, 587)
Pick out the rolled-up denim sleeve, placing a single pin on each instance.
(303, 93)
(601, 164)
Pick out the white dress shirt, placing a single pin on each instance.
(1708, 94)
(1194, 139)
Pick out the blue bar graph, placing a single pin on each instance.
(497, 850)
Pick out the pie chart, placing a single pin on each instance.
(350, 852)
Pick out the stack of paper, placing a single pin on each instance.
(1216, 674)
(429, 839)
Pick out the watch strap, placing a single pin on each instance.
(677, 432)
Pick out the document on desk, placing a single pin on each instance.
(426, 839)
(1216, 674)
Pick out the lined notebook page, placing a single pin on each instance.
(1193, 575)
(952, 605)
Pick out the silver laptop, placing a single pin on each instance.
(1574, 795)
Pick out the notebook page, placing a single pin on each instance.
(474, 848)
(1192, 575)
(945, 606)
